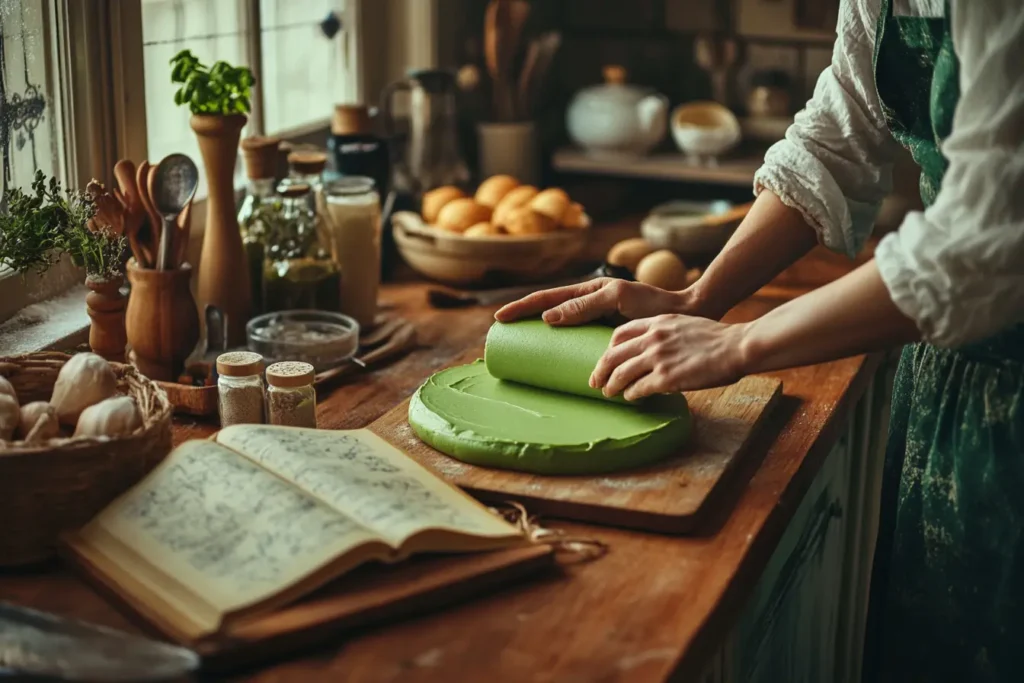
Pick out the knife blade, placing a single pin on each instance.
(37, 644)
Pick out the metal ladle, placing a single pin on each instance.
(171, 188)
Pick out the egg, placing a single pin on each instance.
(436, 199)
(662, 269)
(628, 253)
(494, 189)
(461, 214)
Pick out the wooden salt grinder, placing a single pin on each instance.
(106, 307)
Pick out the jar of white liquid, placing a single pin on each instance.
(350, 210)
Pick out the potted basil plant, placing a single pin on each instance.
(219, 98)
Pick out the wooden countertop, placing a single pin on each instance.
(652, 608)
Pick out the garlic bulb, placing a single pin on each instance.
(39, 417)
(10, 415)
(84, 380)
(113, 417)
(7, 388)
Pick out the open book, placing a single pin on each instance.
(227, 529)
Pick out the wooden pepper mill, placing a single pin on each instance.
(106, 306)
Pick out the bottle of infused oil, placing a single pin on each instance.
(260, 208)
(298, 271)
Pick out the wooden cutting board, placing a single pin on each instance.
(674, 496)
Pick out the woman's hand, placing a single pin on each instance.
(594, 299)
(669, 354)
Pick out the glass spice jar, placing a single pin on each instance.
(240, 388)
(260, 210)
(291, 398)
(298, 271)
(307, 166)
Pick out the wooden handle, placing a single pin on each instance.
(142, 183)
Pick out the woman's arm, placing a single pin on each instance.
(673, 353)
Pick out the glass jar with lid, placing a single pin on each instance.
(240, 388)
(291, 398)
(260, 208)
(298, 271)
(350, 210)
(307, 166)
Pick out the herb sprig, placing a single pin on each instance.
(220, 89)
(40, 226)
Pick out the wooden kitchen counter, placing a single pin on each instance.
(654, 607)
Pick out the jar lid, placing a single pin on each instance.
(349, 185)
(260, 154)
(291, 188)
(350, 119)
(308, 162)
(290, 374)
(239, 364)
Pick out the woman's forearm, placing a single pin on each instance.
(768, 241)
(852, 315)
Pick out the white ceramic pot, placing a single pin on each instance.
(705, 129)
(616, 119)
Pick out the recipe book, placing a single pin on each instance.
(231, 528)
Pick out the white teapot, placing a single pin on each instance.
(616, 119)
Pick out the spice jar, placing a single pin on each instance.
(240, 388)
(307, 166)
(350, 211)
(291, 399)
(260, 209)
(298, 271)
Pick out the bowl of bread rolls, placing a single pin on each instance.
(504, 232)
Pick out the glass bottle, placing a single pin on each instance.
(259, 208)
(350, 211)
(291, 398)
(239, 388)
(298, 272)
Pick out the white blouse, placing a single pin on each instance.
(957, 268)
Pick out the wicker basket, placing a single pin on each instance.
(48, 488)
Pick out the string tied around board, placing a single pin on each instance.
(572, 547)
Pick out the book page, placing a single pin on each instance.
(366, 478)
(226, 529)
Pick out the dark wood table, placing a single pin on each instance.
(654, 607)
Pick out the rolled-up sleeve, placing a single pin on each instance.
(835, 163)
(957, 268)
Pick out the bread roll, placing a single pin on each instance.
(629, 253)
(513, 200)
(526, 221)
(459, 215)
(494, 189)
(485, 229)
(436, 199)
(553, 203)
(573, 218)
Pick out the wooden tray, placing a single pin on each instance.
(370, 595)
(392, 337)
(674, 496)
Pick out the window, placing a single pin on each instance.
(29, 95)
(302, 66)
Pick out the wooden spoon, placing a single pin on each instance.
(152, 239)
(135, 212)
(539, 56)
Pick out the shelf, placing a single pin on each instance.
(738, 171)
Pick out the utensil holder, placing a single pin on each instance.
(162, 320)
(509, 149)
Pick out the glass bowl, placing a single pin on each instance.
(320, 338)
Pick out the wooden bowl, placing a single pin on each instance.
(454, 259)
(62, 483)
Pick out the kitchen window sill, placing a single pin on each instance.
(59, 322)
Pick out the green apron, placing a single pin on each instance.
(947, 598)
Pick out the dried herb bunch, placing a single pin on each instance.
(221, 89)
(40, 226)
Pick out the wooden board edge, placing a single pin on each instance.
(261, 640)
